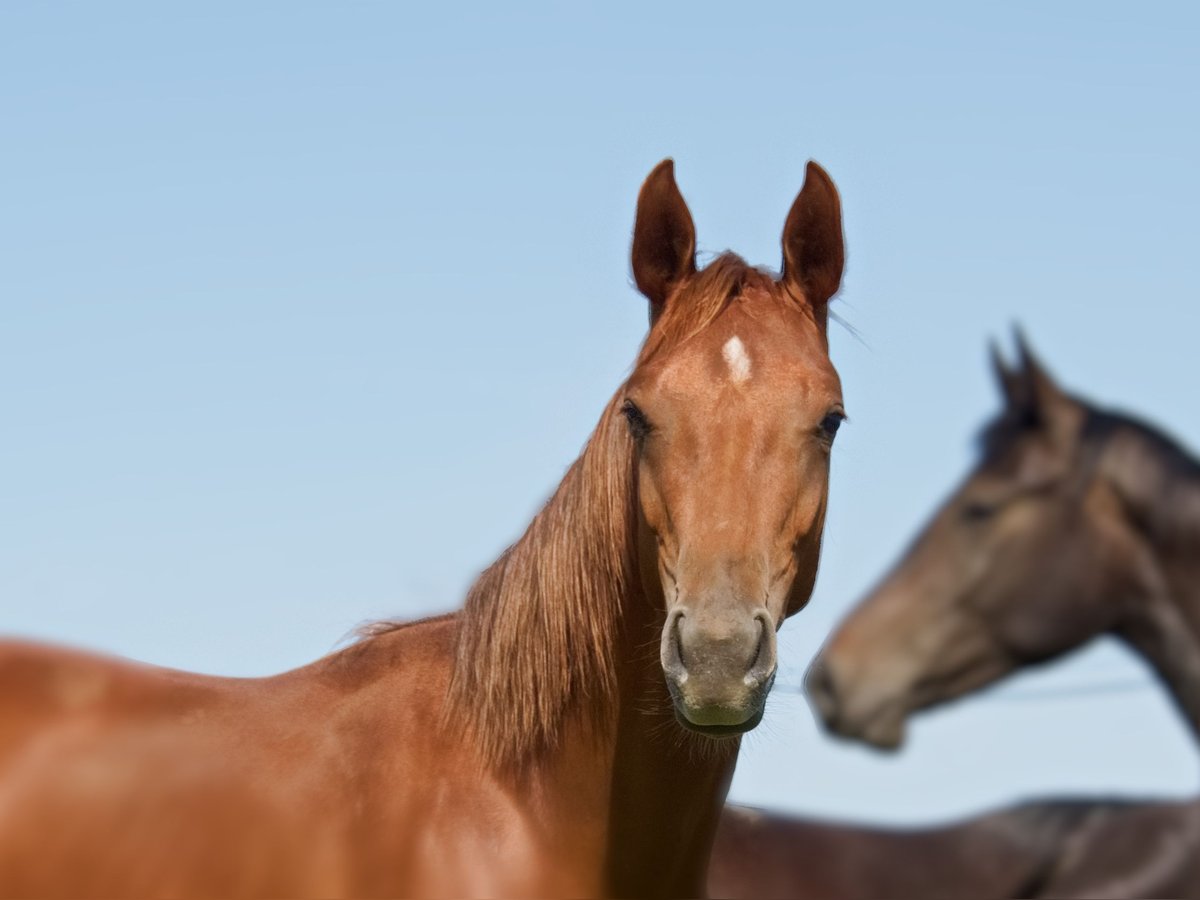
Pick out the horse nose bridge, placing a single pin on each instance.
(848, 654)
(883, 624)
(877, 653)
(715, 576)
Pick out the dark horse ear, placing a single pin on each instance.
(1040, 393)
(813, 250)
(1040, 399)
(1007, 379)
(664, 238)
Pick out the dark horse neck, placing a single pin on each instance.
(1158, 486)
(1161, 633)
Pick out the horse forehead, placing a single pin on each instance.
(744, 362)
(1024, 457)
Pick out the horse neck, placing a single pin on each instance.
(1161, 626)
(668, 785)
(1159, 488)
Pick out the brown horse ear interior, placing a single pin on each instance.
(813, 249)
(664, 238)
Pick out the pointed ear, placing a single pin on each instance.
(813, 250)
(1042, 401)
(664, 238)
(1006, 379)
(1040, 393)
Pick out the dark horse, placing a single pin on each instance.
(1076, 522)
(1046, 848)
(571, 732)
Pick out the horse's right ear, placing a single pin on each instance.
(664, 238)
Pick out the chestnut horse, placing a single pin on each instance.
(571, 732)
(1076, 522)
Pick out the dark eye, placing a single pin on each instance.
(978, 510)
(639, 425)
(831, 423)
(982, 509)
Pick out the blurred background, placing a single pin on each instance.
(305, 309)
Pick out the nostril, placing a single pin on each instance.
(671, 650)
(763, 665)
(677, 640)
(821, 690)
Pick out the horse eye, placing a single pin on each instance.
(978, 510)
(831, 423)
(639, 425)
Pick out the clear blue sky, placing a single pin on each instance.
(304, 309)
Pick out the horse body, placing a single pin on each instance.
(1049, 848)
(572, 732)
(301, 784)
(758, 854)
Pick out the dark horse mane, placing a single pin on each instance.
(1156, 476)
(538, 633)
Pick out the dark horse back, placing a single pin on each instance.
(1061, 847)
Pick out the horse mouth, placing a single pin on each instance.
(884, 730)
(720, 731)
(885, 734)
(723, 720)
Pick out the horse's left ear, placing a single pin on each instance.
(814, 253)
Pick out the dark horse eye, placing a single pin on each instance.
(978, 510)
(639, 425)
(831, 423)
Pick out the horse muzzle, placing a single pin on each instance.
(719, 669)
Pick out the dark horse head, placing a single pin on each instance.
(1057, 535)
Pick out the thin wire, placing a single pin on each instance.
(1039, 694)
